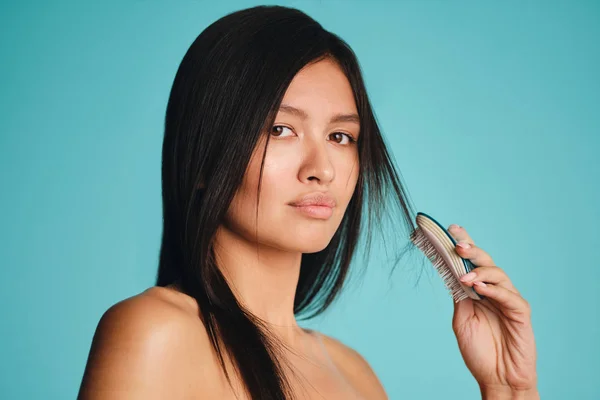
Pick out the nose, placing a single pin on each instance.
(316, 164)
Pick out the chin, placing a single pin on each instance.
(313, 244)
(314, 249)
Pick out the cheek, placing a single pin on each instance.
(275, 192)
(278, 187)
(349, 177)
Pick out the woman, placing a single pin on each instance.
(271, 150)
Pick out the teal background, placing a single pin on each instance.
(491, 110)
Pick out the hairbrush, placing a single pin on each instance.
(439, 247)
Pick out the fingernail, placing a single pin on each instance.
(468, 277)
(479, 284)
(464, 245)
(453, 226)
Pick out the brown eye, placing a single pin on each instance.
(277, 130)
(341, 135)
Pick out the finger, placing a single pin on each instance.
(510, 303)
(474, 254)
(490, 275)
(459, 233)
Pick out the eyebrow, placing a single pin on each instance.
(335, 119)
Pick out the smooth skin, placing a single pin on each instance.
(154, 346)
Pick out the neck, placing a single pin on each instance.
(263, 279)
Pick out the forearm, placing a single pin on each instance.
(508, 394)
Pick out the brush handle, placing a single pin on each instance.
(471, 267)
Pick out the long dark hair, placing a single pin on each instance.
(227, 89)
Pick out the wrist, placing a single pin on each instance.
(507, 393)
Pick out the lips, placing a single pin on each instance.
(319, 199)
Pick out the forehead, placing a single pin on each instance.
(319, 88)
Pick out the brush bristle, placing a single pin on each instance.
(443, 269)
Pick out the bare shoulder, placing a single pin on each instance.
(355, 368)
(149, 346)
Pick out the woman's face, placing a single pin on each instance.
(311, 151)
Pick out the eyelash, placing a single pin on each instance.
(351, 139)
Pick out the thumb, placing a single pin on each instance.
(463, 311)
